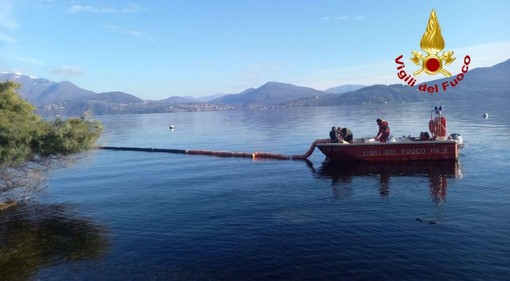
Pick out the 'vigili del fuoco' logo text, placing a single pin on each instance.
(432, 62)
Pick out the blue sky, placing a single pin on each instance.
(157, 49)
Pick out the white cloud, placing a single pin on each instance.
(131, 8)
(46, 4)
(134, 33)
(76, 8)
(69, 70)
(84, 9)
(7, 39)
(342, 18)
(484, 55)
(337, 18)
(30, 60)
(130, 32)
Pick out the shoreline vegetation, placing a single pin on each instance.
(30, 146)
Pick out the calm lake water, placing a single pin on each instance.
(118, 215)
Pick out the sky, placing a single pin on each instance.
(158, 49)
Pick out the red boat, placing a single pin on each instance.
(439, 146)
(403, 149)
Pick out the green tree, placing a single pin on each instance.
(18, 126)
(29, 146)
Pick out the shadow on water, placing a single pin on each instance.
(36, 235)
(437, 172)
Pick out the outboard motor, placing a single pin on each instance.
(458, 138)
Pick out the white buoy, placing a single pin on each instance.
(485, 115)
(171, 127)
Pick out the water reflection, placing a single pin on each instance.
(36, 235)
(437, 172)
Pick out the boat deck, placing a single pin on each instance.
(396, 150)
(399, 140)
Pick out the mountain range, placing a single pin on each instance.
(66, 99)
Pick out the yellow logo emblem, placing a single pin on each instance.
(432, 43)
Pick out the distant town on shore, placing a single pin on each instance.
(66, 99)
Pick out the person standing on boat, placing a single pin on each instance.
(344, 134)
(384, 130)
(333, 135)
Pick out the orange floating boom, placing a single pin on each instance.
(254, 155)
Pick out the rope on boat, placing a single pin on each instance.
(254, 155)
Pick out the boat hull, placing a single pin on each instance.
(390, 151)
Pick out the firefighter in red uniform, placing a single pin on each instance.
(384, 130)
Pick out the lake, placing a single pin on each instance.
(123, 215)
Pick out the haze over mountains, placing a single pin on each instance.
(66, 99)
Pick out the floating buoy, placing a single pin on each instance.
(171, 127)
(485, 115)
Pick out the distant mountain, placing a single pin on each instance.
(232, 98)
(63, 91)
(344, 89)
(376, 94)
(271, 93)
(116, 97)
(479, 83)
(482, 82)
(66, 99)
(40, 91)
(31, 88)
(210, 98)
(176, 100)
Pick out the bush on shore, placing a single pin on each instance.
(29, 146)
